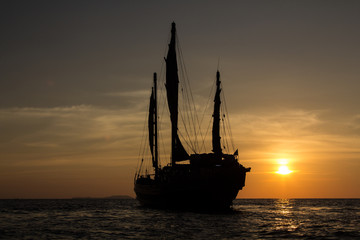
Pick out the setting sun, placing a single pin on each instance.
(283, 170)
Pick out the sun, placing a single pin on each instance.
(283, 170)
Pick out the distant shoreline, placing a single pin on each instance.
(109, 197)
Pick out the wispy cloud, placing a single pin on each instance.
(46, 134)
(135, 94)
(293, 132)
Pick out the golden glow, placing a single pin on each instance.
(283, 161)
(283, 170)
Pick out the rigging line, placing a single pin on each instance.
(184, 114)
(187, 143)
(191, 95)
(225, 139)
(164, 118)
(163, 109)
(207, 130)
(185, 119)
(205, 110)
(226, 128)
(228, 136)
(163, 149)
(187, 133)
(210, 97)
(145, 160)
(230, 133)
(228, 121)
(142, 147)
(223, 129)
(189, 113)
(190, 119)
(161, 118)
(142, 137)
(146, 150)
(194, 119)
(192, 115)
(184, 94)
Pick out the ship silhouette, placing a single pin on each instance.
(197, 180)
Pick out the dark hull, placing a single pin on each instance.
(192, 187)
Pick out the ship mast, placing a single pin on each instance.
(152, 124)
(216, 123)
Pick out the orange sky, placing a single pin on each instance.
(76, 77)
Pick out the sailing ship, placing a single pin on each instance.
(207, 180)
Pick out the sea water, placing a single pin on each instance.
(126, 219)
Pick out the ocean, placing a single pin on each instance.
(126, 219)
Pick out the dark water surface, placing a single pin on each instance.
(125, 219)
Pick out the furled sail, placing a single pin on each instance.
(151, 123)
(216, 115)
(178, 153)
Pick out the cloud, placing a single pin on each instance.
(135, 94)
(354, 124)
(294, 133)
(68, 135)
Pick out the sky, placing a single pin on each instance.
(75, 79)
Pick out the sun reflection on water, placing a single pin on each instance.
(284, 218)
